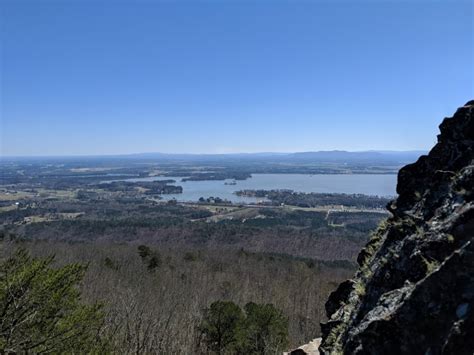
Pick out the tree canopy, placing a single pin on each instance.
(259, 329)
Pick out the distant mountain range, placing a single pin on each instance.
(317, 156)
(332, 156)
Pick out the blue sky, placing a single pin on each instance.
(106, 77)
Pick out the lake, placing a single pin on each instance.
(381, 185)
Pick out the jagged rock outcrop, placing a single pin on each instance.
(414, 290)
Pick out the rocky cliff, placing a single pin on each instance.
(414, 290)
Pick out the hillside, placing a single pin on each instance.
(414, 290)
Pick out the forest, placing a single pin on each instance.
(155, 301)
(290, 197)
(146, 275)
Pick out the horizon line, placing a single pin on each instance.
(382, 151)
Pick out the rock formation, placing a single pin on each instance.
(414, 290)
(308, 349)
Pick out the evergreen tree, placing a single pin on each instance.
(40, 308)
(265, 330)
(220, 327)
(262, 329)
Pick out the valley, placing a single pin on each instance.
(213, 244)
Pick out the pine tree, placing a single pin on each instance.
(41, 310)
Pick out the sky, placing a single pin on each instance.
(116, 77)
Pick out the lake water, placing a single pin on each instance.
(381, 185)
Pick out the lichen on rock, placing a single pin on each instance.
(414, 290)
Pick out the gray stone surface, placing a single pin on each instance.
(414, 290)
